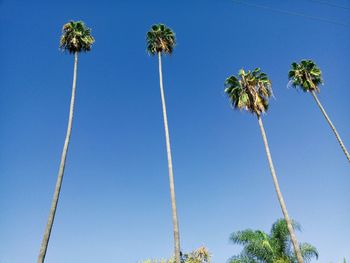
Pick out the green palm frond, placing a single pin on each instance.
(308, 252)
(275, 247)
(281, 238)
(243, 237)
(76, 37)
(242, 258)
(261, 251)
(249, 90)
(161, 39)
(305, 75)
(256, 244)
(282, 260)
(260, 248)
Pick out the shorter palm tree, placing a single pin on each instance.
(275, 247)
(308, 77)
(251, 91)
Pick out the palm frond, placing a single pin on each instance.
(275, 247)
(243, 237)
(242, 259)
(308, 252)
(281, 238)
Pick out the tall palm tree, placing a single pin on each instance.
(308, 77)
(76, 37)
(251, 91)
(259, 246)
(161, 40)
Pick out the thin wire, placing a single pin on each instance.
(331, 4)
(291, 13)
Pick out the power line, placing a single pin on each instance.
(331, 4)
(291, 13)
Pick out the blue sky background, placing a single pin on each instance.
(114, 204)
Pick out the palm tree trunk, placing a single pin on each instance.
(279, 195)
(56, 195)
(170, 166)
(332, 126)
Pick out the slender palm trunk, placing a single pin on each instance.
(332, 126)
(170, 166)
(56, 195)
(279, 195)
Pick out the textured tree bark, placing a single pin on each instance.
(331, 125)
(56, 195)
(170, 166)
(279, 195)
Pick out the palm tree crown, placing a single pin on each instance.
(270, 248)
(76, 37)
(249, 90)
(305, 75)
(160, 39)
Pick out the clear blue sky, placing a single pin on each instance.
(114, 204)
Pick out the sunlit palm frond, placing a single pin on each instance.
(200, 255)
(256, 244)
(281, 238)
(275, 247)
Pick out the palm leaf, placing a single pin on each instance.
(308, 252)
(275, 247)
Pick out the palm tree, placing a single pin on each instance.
(251, 91)
(259, 246)
(308, 77)
(76, 37)
(161, 40)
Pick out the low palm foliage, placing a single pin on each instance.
(200, 255)
(76, 37)
(260, 247)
